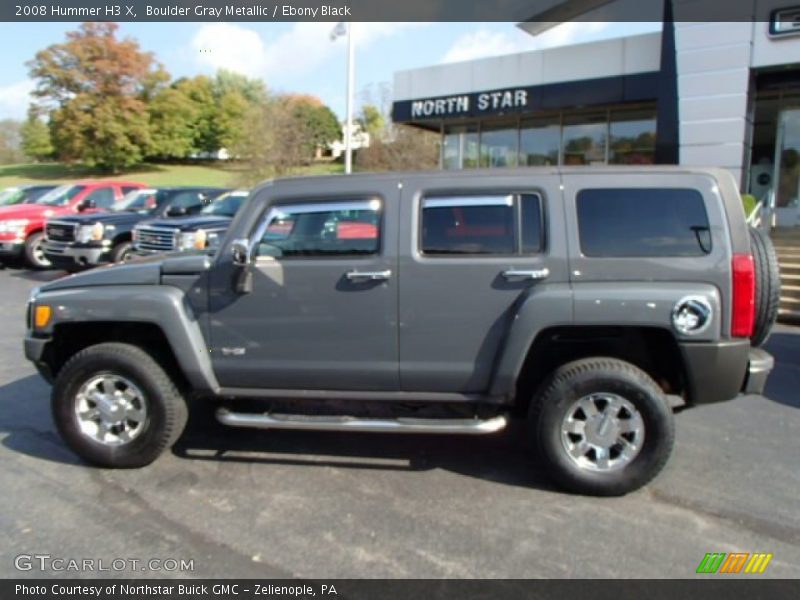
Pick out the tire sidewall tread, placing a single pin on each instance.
(167, 410)
(574, 380)
(119, 250)
(768, 285)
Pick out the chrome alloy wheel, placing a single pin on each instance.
(602, 432)
(110, 409)
(39, 256)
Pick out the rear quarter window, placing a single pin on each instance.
(642, 222)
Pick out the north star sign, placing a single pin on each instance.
(462, 105)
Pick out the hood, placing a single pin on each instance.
(106, 218)
(31, 211)
(140, 272)
(192, 223)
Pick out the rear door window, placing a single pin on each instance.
(642, 222)
(507, 224)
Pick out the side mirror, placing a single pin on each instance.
(85, 204)
(241, 258)
(176, 211)
(241, 252)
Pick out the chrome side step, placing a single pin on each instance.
(335, 423)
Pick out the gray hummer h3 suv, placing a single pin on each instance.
(588, 301)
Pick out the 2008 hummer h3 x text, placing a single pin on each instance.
(589, 302)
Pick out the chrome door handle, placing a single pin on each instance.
(534, 274)
(368, 275)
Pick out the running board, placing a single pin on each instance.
(335, 423)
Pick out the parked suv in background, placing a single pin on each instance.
(86, 240)
(200, 232)
(590, 301)
(24, 194)
(22, 225)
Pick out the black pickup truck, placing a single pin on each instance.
(202, 231)
(87, 240)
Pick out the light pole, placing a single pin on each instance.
(351, 76)
(339, 30)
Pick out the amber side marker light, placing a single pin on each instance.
(42, 316)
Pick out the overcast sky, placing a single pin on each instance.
(297, 57)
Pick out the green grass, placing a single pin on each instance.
(212, 174)
(749, 202)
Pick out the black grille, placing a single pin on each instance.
(60, 232)
(156, 239)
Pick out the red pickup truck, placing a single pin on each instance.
(22, 225)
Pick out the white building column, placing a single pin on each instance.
(714, 87)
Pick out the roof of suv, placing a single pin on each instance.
(501, 173)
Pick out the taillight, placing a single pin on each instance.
(744, 295)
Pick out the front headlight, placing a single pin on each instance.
(192, 240)
(90, 233)
(14, 226)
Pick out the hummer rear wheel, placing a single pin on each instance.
(602, 426)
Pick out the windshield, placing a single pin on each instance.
(61, 195)
(138, 201)
(226, 205)
(11, 196)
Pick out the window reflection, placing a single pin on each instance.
(584, 140)
(460, 147)
(539, 143)
(499, 147)
(612, 136)
(632, 139)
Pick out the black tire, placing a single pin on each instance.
(579, 379)
(768, 285)
(120, 252)
(165, 406)
(34, 251)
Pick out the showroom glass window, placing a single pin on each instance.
(540, 142)
(584, 139)
(632, 138)
(460, 147)
(499, 145)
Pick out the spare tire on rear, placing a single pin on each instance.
(768, 285)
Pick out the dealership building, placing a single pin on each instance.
(696, 93)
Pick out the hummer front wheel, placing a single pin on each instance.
(116, 407)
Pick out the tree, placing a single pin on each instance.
(372, 121)
(270, 146)
(98, 87)
(407, 149)
(10, 141)
(200, 92)
(221, 105)
(35, 133)
(230, 123)
(173, 118)
(252, 90)
(316, 123)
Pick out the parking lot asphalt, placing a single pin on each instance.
(335, 505)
